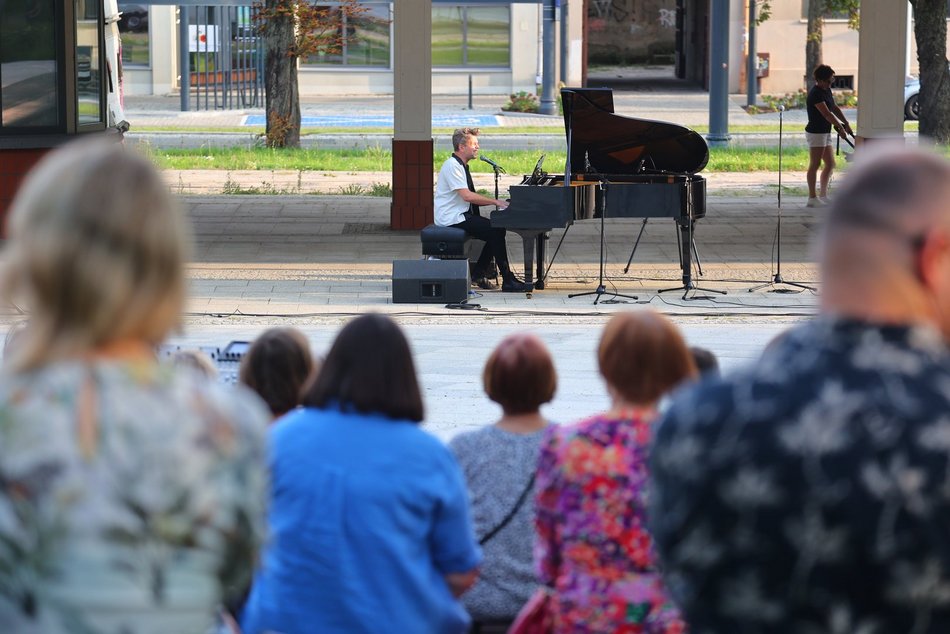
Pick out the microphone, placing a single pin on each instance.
(493, 164)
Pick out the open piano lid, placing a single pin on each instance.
(616, 144)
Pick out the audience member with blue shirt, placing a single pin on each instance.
(369, 520)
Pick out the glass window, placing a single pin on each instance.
(29, 76)
(133, 30)
(471, 36)
(88, 77)
(367, 38)
(486, 36)
(448, 36)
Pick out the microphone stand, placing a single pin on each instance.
(777, 278)
(492, 265)
(602, 185)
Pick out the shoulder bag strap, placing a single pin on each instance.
(503, 523)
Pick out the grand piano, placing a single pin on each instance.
(639, 168)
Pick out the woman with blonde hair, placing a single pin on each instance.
(593, 551)
(131, 492)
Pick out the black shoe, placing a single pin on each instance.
(484, 283)
(514, 285)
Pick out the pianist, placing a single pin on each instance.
(456, 205)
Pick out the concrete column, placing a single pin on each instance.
(412, 141)
(880, 70)
(548, 103)
(718, 73)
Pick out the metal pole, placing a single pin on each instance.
(548, 104)
(470, 96)
(565, 41)
(184, 67)
(719, 73)
(752, 70)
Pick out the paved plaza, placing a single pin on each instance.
(315, 261)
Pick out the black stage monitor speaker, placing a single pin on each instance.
(430, 281)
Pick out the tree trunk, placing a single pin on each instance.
(930, 31)
(282, 96)
(816, 9)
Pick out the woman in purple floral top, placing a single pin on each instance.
(593, 550)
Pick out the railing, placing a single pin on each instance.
(222, 57)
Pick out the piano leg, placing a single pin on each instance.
(685, 243)
(686, 240)
(528, 258)
(528, 238)
(541, 239)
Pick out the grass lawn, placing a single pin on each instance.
(379, 159)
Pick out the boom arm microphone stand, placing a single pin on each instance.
(601, 289)
(498, 169)
(777, 278)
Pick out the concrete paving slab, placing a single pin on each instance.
(449, 357)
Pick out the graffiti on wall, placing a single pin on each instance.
(615, 10)
(668, 18)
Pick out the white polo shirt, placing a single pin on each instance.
(450, 208)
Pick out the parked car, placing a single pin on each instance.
(911, 93)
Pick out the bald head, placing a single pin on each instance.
(891, 189)
(889, 217)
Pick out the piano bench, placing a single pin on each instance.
(445, 243)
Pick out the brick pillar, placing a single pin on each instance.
(412, 184)
(14, 164)
(412, 110)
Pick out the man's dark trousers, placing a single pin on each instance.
(480, 227)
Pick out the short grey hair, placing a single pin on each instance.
(96, 250)
(461, 136)
(891, 189)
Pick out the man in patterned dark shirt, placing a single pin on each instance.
(810, 493)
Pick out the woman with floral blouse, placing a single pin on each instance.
(593, 551)
(131, 493)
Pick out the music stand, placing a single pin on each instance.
(601, 289)
(777, 277)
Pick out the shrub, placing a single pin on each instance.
(846, 99)
(793, 100)
(790, 100)
(522, 102)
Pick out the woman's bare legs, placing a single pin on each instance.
(815, 155)
(828, 157)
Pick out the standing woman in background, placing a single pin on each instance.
(593, 551)
(131, 493)
(369, 521)
(823, 115)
